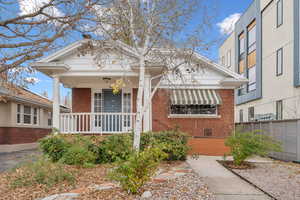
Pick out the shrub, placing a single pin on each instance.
(54, 146)
(139, 168)
(78, 155)
(246, 144)
(115, 148)
(174, 143)
(43, 171)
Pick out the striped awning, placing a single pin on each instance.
(195, 97)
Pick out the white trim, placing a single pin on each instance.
(21, 113)
(193, 116)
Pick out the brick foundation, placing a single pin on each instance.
(16, 135)
(208, 146)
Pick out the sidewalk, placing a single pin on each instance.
(224, 184)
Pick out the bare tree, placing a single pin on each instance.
(154, 32)
(29, 29)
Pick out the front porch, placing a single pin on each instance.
(96, 109)
(96, 123)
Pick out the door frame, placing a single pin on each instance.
(100, 90)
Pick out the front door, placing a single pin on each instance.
(112, 107)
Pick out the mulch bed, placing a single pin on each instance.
(189, 186)
(229, 164)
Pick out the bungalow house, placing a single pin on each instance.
(203, 108)
(25, 116)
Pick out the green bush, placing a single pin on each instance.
(115, 148)
(54, 146)
(246, 144)
(78, 155)
(139, 168)
(43, 171)
(174, 143)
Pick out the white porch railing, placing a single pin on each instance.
(96, 123)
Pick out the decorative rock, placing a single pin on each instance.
(64, 196)
(147, 194)
(104, 186)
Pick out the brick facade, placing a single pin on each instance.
(20, 135)
(221, 127)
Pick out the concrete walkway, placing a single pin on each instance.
(13, 159)
(224, 184)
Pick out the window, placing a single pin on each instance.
(279, 13)
(19, 113)
(252, 78)
(35, 116)
(251, 114)
(223, 60)
(252, 37)
(127, 108)
(49, 118)
(27, 115)
(229, 58)
(279, 109)
(241, 116)
(279, 62)
(194, 109)
(251, 57)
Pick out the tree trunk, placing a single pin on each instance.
(139, 105)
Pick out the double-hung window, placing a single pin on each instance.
(279, 12)
(279, 62)
(27, 115)
(251, 57)
(49, 118)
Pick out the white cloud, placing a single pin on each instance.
(227, 25)
(31, 80)
(31, 6)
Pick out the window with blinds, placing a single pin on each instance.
(97, 102)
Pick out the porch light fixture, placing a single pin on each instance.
(106, 79)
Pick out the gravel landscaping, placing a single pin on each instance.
(173, 181)
(280, 179)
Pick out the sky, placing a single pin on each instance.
(226, 13)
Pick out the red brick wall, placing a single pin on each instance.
(16, 135)
(221, 127)
(81, 100)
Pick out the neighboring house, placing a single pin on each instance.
(204, 109)
(25, 116)
(265, 49)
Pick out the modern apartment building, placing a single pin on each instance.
(264, 47)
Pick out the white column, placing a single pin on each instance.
(56, 102)
(147, 114)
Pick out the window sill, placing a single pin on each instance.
(194, 116)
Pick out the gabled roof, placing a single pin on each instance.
(26, 96)
(51, 60)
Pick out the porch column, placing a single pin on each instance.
(56, 102)
(147, 94)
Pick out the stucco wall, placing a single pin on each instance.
(5, 113)
(228, 45)
(274, 87)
